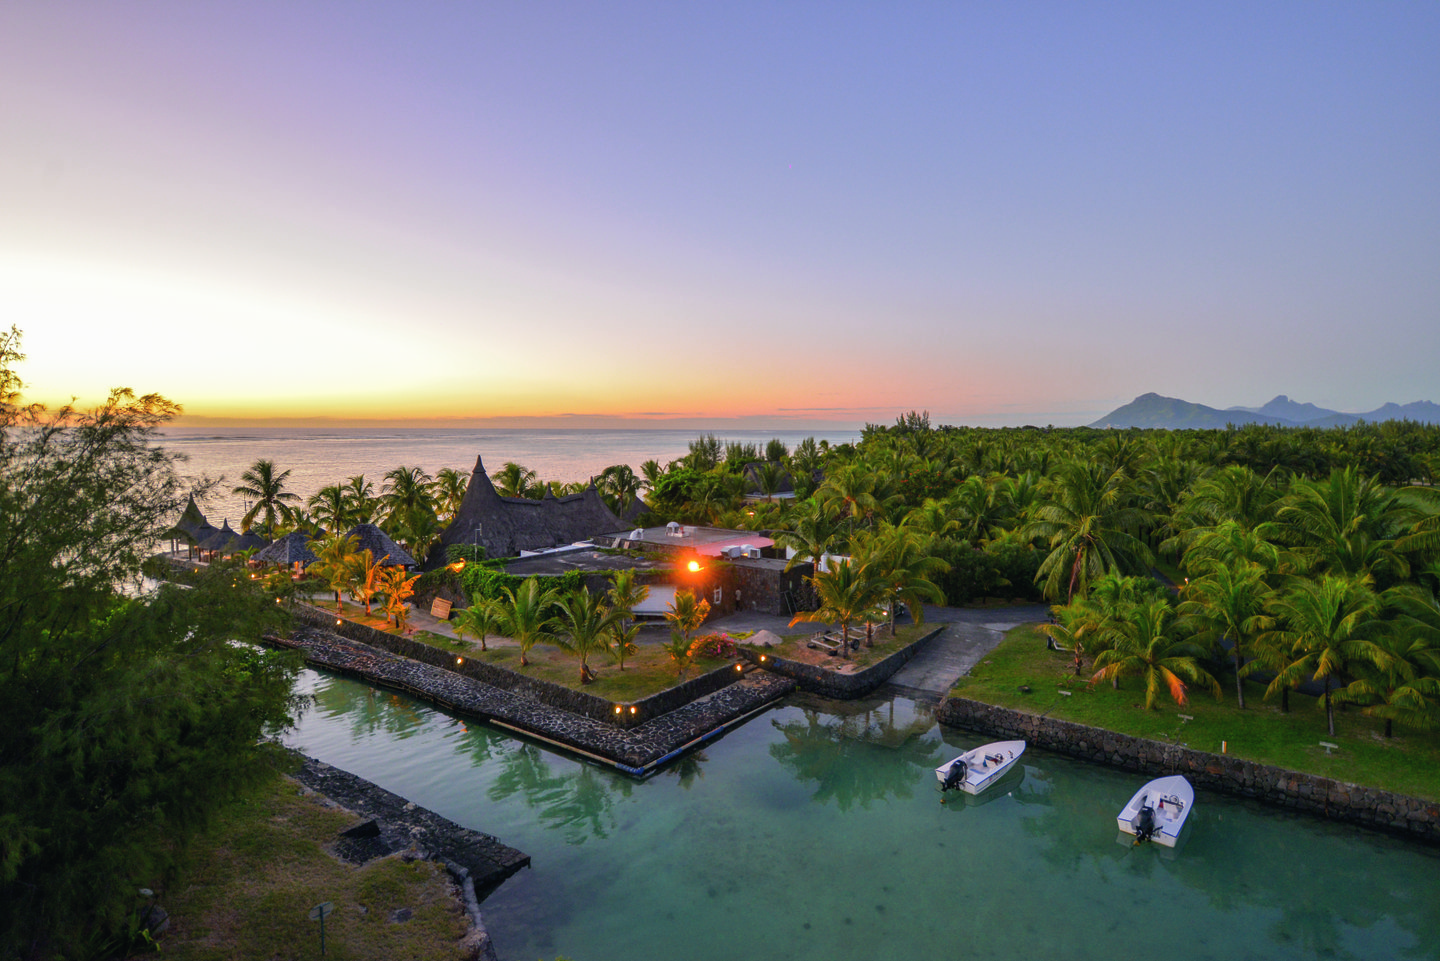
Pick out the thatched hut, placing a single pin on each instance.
(220, 542)
(191, 528)
(378, 543)
(292, 550)
(505, 526)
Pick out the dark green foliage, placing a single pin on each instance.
(124, 720)
(484, 582)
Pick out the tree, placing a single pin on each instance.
(514, 480)
(266, 488)
(685, 614)
(1090, 527)
(1145, 645)
(525, 614)
(1229, 603)
(449, 490)
(815, 530)
(398, 587)
(360, 495)
(847, 593)
(624, 595)
(902, 565)
(619, 486)
(371, 577)
(1324, 633)
(479, 620)
(330, 506)
(584, 623)
(407, 491)
(125, 720)
(336, 561)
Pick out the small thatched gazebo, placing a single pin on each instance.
(292, 550)
(220, 541)
(378, 543)
(192, 528)
(246, 541)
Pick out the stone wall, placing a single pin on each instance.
(1414, 817)
(555, 695)
(828, 683)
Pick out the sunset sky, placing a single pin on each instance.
(778, 214)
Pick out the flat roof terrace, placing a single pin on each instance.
(555, 563)
(707, 541)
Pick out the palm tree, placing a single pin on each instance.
(1145, 646)
(1229, 602)
(526, 615)
(266, 488)
(619, 486)
(624, 595)
(584, 623)
(371, 579)
(335, 559)
(406, 491)
(449, 491)
(1405, 686)
(330, 507)
(901, 563)
(398, 587)
(685, 614)
(514, 480)
(847, 593)
(815, 531)
(1090, 528)
(478, 620)
(1346, 524)
(1326, 631)
(360, 496)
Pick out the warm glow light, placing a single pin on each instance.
(457, 566)
(632, 708)
(459, 660)
(738, 667)
(762, 657)
(617, 708)
(694, 566)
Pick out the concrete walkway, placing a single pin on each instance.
(969, 634)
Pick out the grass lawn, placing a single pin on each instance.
(1409, 763)
(649, 671)
(248, 885)
(795, 647)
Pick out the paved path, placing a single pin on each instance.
(969, 634)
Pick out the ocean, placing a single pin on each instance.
(316, 457)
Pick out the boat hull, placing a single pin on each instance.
(1160, 809)
(984, 766)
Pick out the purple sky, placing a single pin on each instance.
(784, 214)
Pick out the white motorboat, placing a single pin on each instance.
(1158, 811)
(974, 771)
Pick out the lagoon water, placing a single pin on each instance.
(815, 831)
(320, 456)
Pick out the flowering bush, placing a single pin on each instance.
(715, 645)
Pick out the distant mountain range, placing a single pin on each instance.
(1152, 410)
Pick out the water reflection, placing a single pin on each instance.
(738, 851)
(856, 752)
(579, 802)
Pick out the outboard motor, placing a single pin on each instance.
(1144, 824)
(955, 776)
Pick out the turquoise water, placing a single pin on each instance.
(815, 831)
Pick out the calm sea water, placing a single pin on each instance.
(814, 831)
(317, 457)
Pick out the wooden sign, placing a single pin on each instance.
(440, 608)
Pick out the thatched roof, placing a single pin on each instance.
(378, 543)
(247, 540)
(637, 507)
(220, 540)
(292, 548)
(509, 525)
(191, 526)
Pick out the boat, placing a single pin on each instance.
(974, 771)
(1158, 811)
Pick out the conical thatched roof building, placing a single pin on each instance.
(247, 540)
(293, 548)
(505, 526)
(191, 527)
(378, 543)
(220, 541)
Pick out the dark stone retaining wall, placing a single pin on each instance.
(635, 750)
(392, 824)
(841, 687)
(556, 695)
(1218, 772)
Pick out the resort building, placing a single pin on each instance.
(508, 526)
